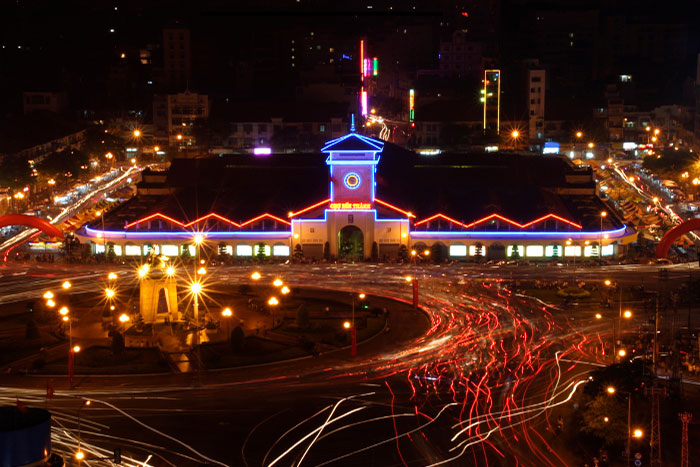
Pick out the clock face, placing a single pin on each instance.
(352, 180)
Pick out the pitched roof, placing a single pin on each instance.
(353, 142)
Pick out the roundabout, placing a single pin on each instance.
(442, 383)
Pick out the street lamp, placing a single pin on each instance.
(603, 215)
(48, 295)
(255, 276)
(50, 303)
(638, 433)
(66, 285)
(285, 290)
(611, 390)
(112, 276)
(109, 293)
(227, 313)
(170, 271)
(579, 134)
(277, 283)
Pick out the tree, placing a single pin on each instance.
(515, 253)
(327, 251)
(479, 248)
(612, 431)
(237, 339)
(260, 255)
(298, 252)
(110, 252)
(403, 253)
(303, 320)
(375, 252)
(186, 253)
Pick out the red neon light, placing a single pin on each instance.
(391, 206)
(362, 58)
(265, 215)
(213, 214)
(555, 217)
(498, 216)
(441, 216)
(292, 214)
(155, 215)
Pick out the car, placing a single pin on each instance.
(660, 261)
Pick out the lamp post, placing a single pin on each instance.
(273, 302)
(637, 432)
(603, 214)
(227, 314)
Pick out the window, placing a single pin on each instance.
(311, 229)
(118, 250)
(590, 250)
(552, 250)
(322, 128)
(280, 250)
(458, 250)
(388, 229)
(265, 249)
(244, 250)
(228, 249)
(133, 250)
(536, 79)
(351, 218)
(476, 251)
(511, 248)
(608, 250)
(262, 128)
(534, 250)
(148, 248)
(169, 250)
(99, 248)
(572, 251)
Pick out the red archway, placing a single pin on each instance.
(31, 221)
(674, 233)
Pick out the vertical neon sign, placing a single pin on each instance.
(375, 66)
(411, 105)
(362, 59)
(363, 102)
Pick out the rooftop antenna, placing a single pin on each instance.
(352, 122)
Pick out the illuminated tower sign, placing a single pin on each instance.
(411, 105)
(375, 66)
(491, 98)
(352, 160)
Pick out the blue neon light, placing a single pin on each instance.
(184, 234)
(329, 161)
(467, 233)
(352, 180)
(379, 145)
(326, 211)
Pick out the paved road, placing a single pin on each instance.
(471, 381)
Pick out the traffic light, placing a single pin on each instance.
(30, 307)
(117, 455)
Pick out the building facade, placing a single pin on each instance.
(361, 201)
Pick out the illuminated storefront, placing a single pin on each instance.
(349, 216)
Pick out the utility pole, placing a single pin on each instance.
(685, 419)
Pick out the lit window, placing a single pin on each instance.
(608, 250)
(572, 251)
(244, 250)
(590, 250)
(475, 251)
(458, 250)
(280, 250)
(552, 250)
(534, 250)
(512, 248)
(147, 249)
(169, 250)
(133, 250)
(99, 248)
(118, 250)
(265, 249)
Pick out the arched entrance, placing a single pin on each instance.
(351, 243)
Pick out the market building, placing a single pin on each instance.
(365, 198)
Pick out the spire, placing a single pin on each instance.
(352, 122)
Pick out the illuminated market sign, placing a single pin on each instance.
(347, 205)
